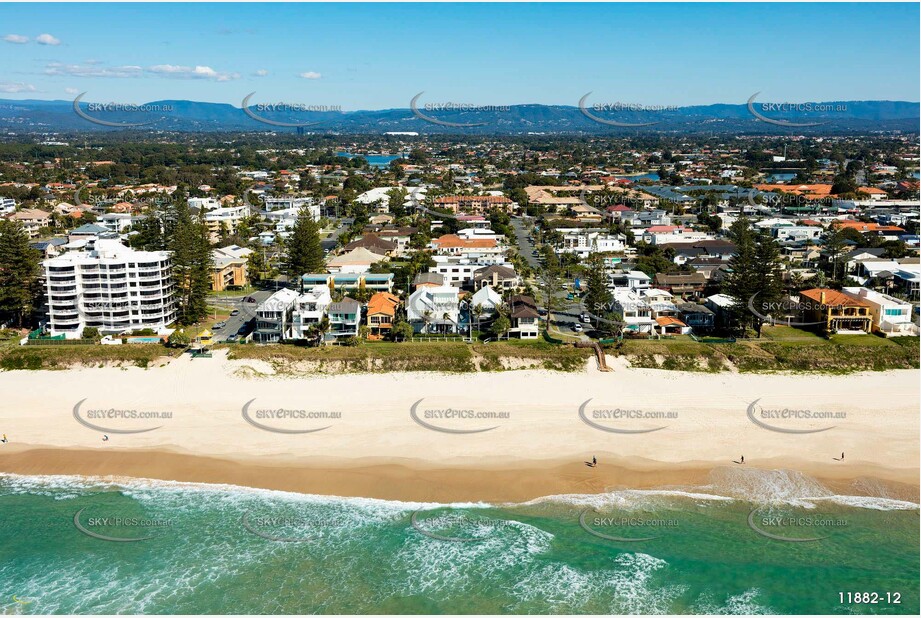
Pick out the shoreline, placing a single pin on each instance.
(420, 482)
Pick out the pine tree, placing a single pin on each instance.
(741, 283)
(305, 253)
(19, 273)
(598, 298)
(191, 257)
(767, 275)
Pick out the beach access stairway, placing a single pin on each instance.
(599, 353)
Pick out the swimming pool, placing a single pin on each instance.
(144, 340)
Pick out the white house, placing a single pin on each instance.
(891, 316)
(309, 310)
(636, 312)
(487, 299)
(273, 316)
(583, 242)
(434, 309)
(204, 203)
(292, 205)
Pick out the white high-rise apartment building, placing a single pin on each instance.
(111, 287)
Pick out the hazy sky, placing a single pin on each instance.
(373, 56)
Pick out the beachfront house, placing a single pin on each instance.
(434, 309)
(524, 316)
(891, 316)
(836, 311)
(273, 317)
(381, 314)
(309, 311)
(344, 318)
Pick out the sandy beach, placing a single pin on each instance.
(506, 436)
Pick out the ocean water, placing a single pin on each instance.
(91, 545)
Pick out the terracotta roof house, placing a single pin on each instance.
(382, 308)
(836, 311)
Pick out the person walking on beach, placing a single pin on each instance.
(594, 461)
(742, 460)
(4, 440)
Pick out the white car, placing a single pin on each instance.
(577, 327)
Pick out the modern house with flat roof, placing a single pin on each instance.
(891, 316)
(344, 318)
(378, 282)
(273, 316)
(309, 310)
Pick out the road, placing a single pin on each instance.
(525, 246)
(247, 312)
(332, 240)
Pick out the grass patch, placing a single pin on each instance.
(66, 356)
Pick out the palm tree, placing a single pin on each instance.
(477, 313)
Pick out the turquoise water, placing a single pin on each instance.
(222, 549)
(373, 160)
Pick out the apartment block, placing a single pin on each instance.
(111, 287)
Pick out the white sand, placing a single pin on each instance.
(881, 428)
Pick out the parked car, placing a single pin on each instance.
(232, 339)
(577, 327)
(584, 317)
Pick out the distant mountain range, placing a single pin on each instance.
(34, 116)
